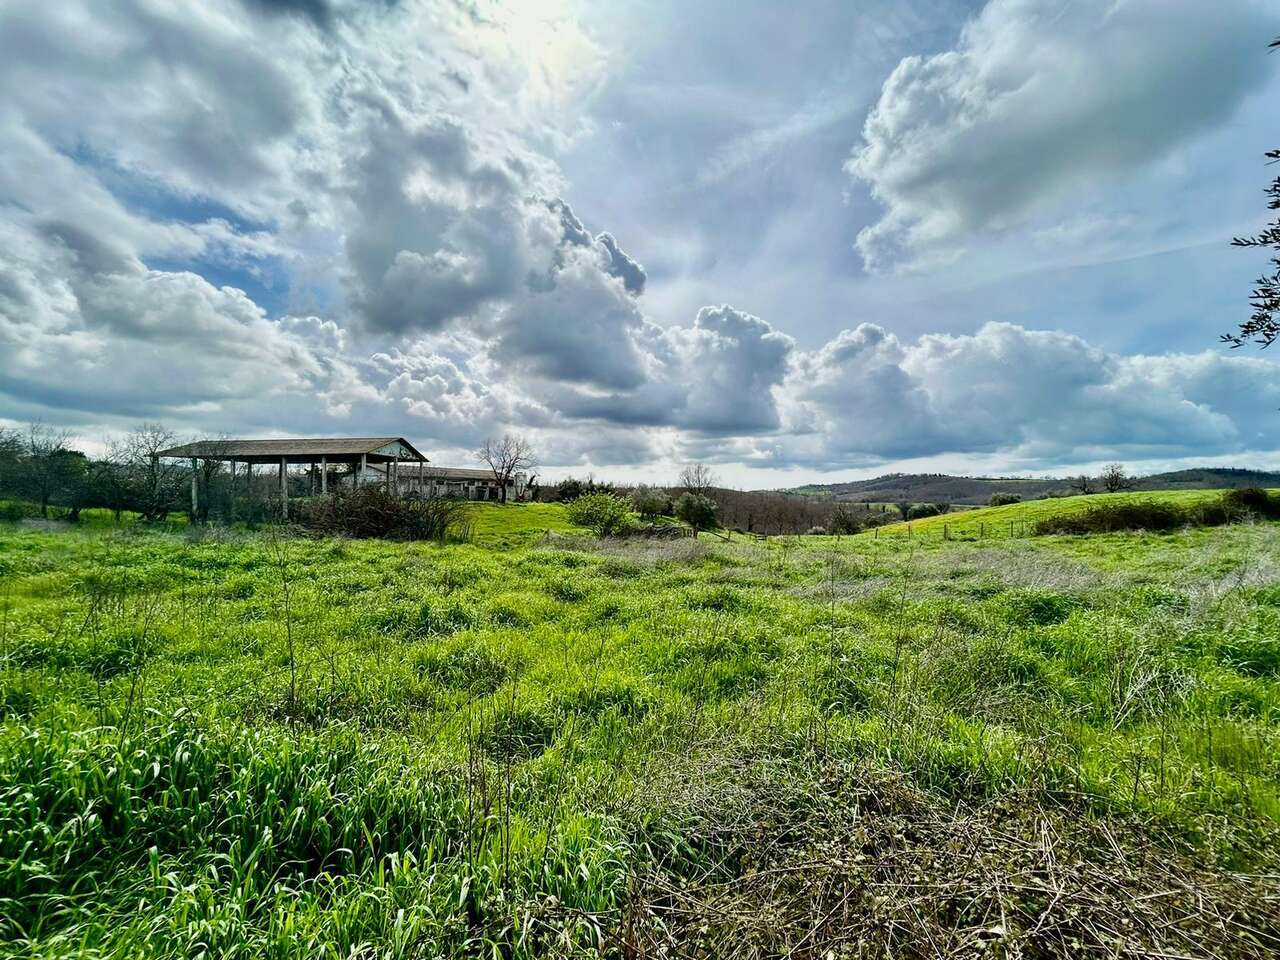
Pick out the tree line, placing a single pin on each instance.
(40, 464)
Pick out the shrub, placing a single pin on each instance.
(1112, 517)
(697, 511)
(650, 502)
(12, 512)
(604, 514)
(1232, 507)
(922, 510)
(999, 499)
(372, 511)
(1251, 500)
(571, 488)
(844, 520)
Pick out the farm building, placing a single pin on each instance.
(328, 460)
(432, 481)
(342, 462)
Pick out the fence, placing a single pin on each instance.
(1007, 530)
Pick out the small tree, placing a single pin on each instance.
(904, 508)
(10, 461)
(844, 520)
(604, 514)
(697, 511)
(157, 482)
(506, 457)
(109, 478)
(1114, 479)
(698, 479)
(922, 510)
(45, 469)
(1002, 499)
(650, 502)
(1263, 327)
(1081, 484)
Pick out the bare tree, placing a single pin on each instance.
(506, 457)
(44, 462)
(698, 479)
(1082, 484)
(1114, 479)
(156, 482)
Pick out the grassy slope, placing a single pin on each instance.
(517, 524)
(996, 520)
(464, 732)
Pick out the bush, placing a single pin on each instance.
(12, 512)
(922, 510)
(1232, 507)
(1112, 517)
(1003, 499)
(1251, 500)
(697, 511)
(571, 488)
(650, 502)
(844, 520)
(372, 511)
(604, 514)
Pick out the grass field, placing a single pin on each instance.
(242, 744)
(1018, 519)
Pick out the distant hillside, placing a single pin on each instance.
(943, 488)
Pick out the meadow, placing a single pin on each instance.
(232, 743)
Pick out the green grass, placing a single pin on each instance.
(517, 524)
(228, 744)
(996, 521)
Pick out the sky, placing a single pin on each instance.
(799, 242)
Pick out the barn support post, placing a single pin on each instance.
(324, 475)
(231, 502)
(284, 489)
(195, 490)
(364, 462)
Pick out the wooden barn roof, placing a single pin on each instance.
(302, 448)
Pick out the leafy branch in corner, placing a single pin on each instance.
(1263, 327)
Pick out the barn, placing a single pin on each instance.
(326, 460)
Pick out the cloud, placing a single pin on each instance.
(731, 362)
(581, 330)
(622, 266)
(717, 377)
(103, 335)
(866, 397)
(320, 12)
(1041, 100)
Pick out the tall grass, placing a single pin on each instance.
(238, 745)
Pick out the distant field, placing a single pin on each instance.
(996, 521)
(237, 744)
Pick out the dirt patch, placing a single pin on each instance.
(855, 862)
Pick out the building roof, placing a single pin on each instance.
(298, 449)
(438, 473)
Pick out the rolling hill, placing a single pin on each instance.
(945, 488)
